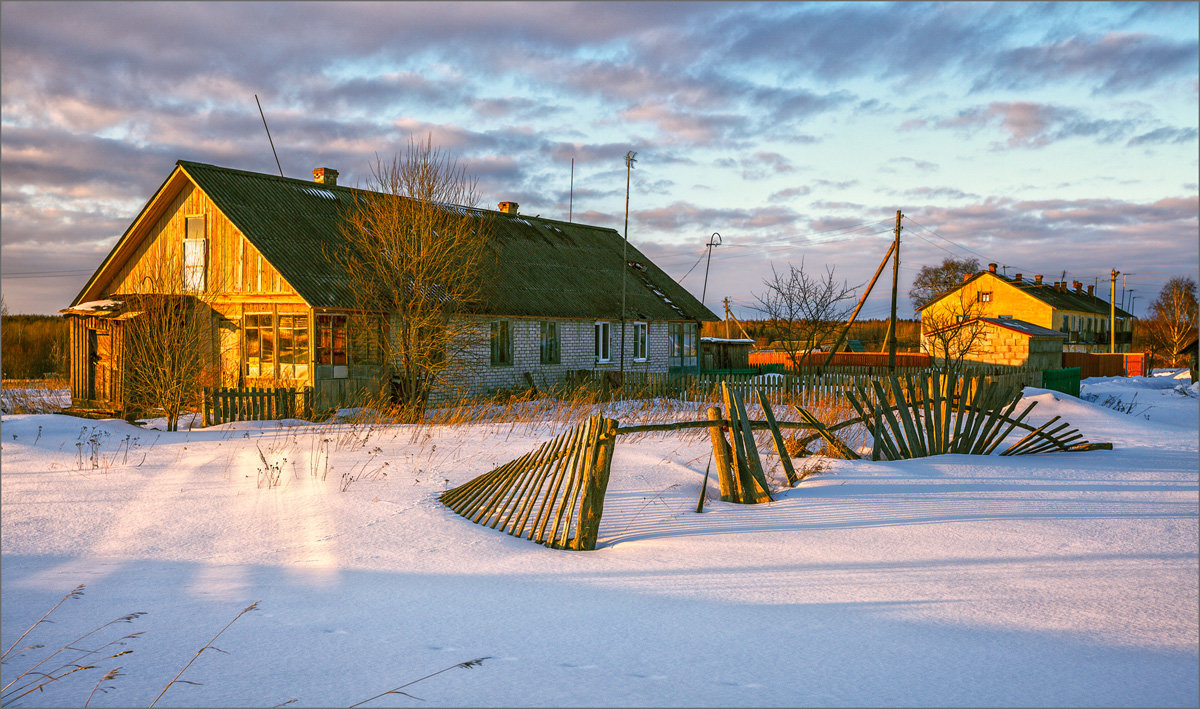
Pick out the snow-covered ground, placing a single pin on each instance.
(1045, 580)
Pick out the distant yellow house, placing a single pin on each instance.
(1078, 313)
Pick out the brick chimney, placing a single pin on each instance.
(1078, 286)
(966, 277)
(991, 268)
(508, 207)
(326, 176)
(1017, 278)
(1092, 290)
(1037, 279)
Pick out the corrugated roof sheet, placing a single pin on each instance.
(545, 267)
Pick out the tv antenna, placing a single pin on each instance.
(264, 120)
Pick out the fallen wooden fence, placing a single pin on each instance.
(934, 415)
(554, 495)
(225, 404)
(564, 480)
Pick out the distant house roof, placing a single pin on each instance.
(547, 268)
(1025, 328)
(1065, 299)
(1018, 326)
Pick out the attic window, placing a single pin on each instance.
(637, 265)
(194, 251)
(985, 296)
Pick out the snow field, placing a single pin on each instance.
(1059, 579)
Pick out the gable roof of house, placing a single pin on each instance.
(546, 267)
(1065, 299)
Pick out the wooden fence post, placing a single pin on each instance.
(720, 446)
(597, 464)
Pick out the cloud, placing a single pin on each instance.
(1164, 135)
(897, 164)
(790, 193)
(939, 193)
(1119, 61)
(1035, 125)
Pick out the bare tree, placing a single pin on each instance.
(803, 311)
(167, 342)
(935, 280)
(952, 331)
(1173, 316)
(417, 255)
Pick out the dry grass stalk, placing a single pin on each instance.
(207, 646)
(462, 665)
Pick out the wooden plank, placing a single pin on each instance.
(757, 477)
(567, 473)
(997, 439)
(903, 410)
(901, 447)
(784, 458)
(741, 466)
(722, 455)
(567, 505)
(833, 441)
(591, 506)
(1016, 446)
(527, 504)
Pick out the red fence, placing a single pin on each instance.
(844, 359)
(1108, 365)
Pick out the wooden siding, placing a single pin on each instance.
(232, 264)
(108, 391)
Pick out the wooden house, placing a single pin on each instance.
(1078, 313)
(253, 249)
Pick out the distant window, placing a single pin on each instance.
(502, 349)
(985, 296)
(682, 344)
(639, 341)
(551, 344)
(331, 339)
(603, 342)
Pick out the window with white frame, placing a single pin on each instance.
(194, 252)
(639, 341)
(604, 342)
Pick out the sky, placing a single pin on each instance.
(1049, 139)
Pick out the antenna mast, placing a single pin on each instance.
(571, 204)
(264, 119)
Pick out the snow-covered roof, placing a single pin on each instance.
(106, 304)
(741, 341)
(1023, 327)
(95, 307)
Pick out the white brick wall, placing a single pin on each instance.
(577, 352)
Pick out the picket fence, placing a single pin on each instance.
(225, 404)
(805, 389)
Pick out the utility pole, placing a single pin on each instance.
(629, 161)
(711, 244)
(895, 280)
(1112, 313)
(727, 335)
(571, 199)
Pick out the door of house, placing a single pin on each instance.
(100, 365)
(230, 343)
